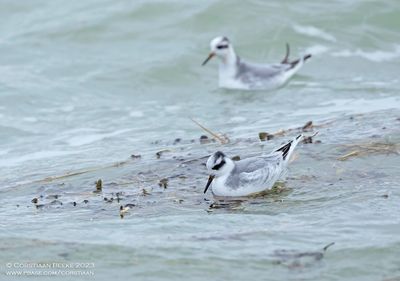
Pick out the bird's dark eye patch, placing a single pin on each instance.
(217, 167)
(220, 47)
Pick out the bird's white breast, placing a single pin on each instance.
(227, 77)
(219, 188)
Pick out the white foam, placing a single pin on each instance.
(351, 106)
(90, 138)
(7, 162)
(238, 119)
(136, 114)
(316, 50)
(312, 31)
(172, 108)
(375, 56)
(67, 108)
(30, 119)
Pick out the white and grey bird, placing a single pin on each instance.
(249, 176)
(234, 73)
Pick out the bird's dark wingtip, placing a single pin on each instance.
(286, 58)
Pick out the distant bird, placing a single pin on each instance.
(235, 73)
(248, 176)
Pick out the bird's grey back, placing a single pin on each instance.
(250, 165)
(248, 72)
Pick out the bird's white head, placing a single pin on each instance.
(222, 48)
(218, 165)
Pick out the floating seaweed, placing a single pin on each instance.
(161, 152)
(56, 202)
(118, 195)
(230, 204)
(307, 127)
(236, 158)
(145, 192)
(369, 148)
(177, 140)
(125, 209)
(204, 139)
(108, 200)
(223, 139)
(263, 136)
(122, 211)
(163, 183)
(99, 186)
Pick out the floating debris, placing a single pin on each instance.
(236, 158)
(223, 139)
(118, 195)
(231, 204)
(163, 183)
(161, 152)
(308, 126)
(177, 140)
(85, 201)
(35, 200)
(145, 192)
(349, 155)
(53, 196)
(74, 203)
(79, 172)
(133, 156)
(263, 136)
(99, 186)
(370, 148)
(108, 200)
(123, 210)
(56, 202)
(309, 139)
(204, 139)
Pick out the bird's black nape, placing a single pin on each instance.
(219, 166)
(218, 155)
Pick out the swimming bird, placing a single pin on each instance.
(248, 176)
(234, 73)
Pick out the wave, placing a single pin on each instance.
(375, 56)
(314, 32)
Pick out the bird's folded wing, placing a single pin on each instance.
(251, 71)
(266, 176)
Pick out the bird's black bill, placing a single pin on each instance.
(210, 179)
(208, 58)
